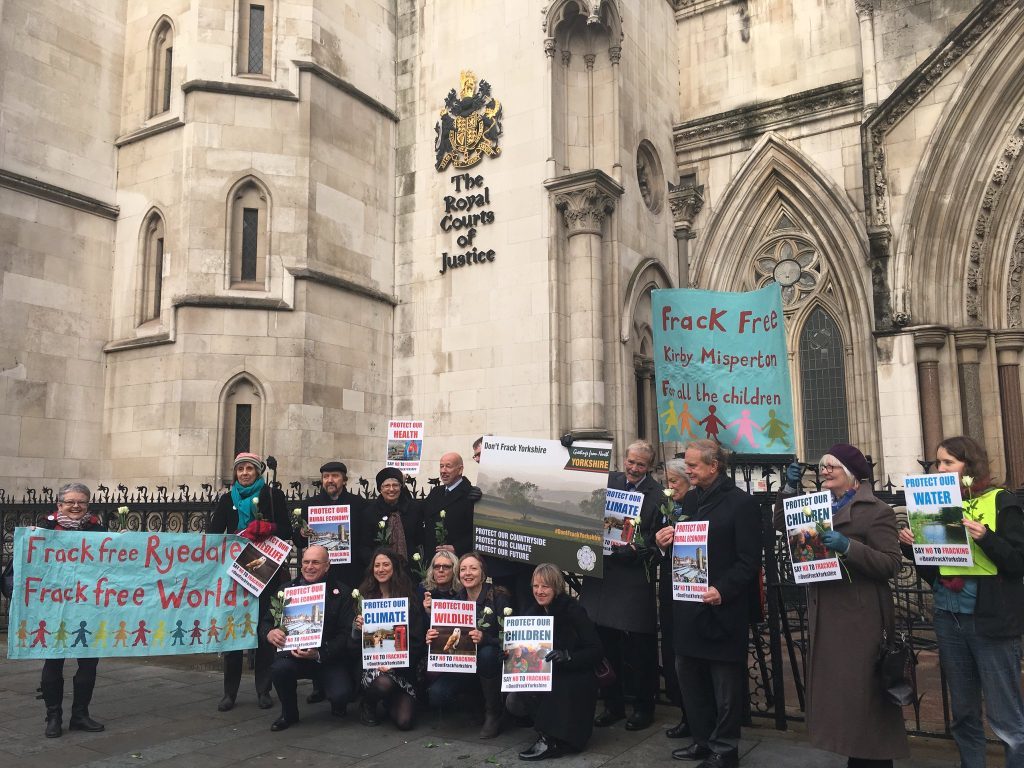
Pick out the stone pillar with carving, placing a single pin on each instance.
(928, 343)
(969, 345)
(585, 200)
(686, 203)
(1009, 345)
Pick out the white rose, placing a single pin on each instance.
(507, 611)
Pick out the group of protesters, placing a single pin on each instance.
(422, 550)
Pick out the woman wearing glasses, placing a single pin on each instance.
(847, 712)
(72, 515)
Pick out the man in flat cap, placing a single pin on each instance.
(333, 492)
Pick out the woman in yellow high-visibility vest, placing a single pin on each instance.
(979, 610)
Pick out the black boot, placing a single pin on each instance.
(493, 707)
(80, 720)
(54, 716)
(368, 710)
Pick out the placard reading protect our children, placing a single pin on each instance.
(690, 561)
(386, 633)
(807, 518)
(452, 650)
(722, 369)
(527, 641)
(96, 594)
(934, 506)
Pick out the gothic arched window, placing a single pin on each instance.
(151, 269)
(161, 65)
(822, 385)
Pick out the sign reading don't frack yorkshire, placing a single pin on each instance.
(468, 129)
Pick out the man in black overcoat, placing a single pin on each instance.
(711, 636)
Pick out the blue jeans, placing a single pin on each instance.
(444, 691)
(977, 666)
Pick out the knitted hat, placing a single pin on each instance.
(389, 473)
(250, 458)
(851, 458)
(334, 466)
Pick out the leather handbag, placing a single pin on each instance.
(604, 673)
(896, 662)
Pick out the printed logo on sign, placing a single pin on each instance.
(587, 558)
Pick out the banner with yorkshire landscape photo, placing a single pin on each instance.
(543, 502)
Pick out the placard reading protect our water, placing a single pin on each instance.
(935, 509)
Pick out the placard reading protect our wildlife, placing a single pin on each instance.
(332, 529)
(934, 507)
(690, 561)
(527, 641)
(256, 565)
(95, 594)
(807, 518)
(304, 616)
(386, 633)
(453, 650)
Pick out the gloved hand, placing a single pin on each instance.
(259, 530)
(793, 473)
(558, 657)
(836, 541)
(475, 494)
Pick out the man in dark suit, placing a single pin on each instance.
(456, 496)
(329, 665)
(622, 604)
(333, 492)
(711, 636)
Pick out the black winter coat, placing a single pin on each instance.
(365, 533)
(337, 645)
(458, 518)
(567, 712)
(719, 632)
(347, 573)
(624, 598)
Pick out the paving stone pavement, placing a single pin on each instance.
(162, 712)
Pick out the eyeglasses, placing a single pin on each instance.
(476, 454)
(442, 566)
(74, 503)
(831, 468)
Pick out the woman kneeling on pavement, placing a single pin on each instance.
(564, 717)
(491, 602)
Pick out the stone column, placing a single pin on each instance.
(615, 54)
(865, 10)
(1008, 349)
(969, 344)
(685, 203)
(929, 343)
(585, 200)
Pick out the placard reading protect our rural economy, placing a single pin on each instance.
(543, 502)
(721, 369)
(97, 594)
(934, 506)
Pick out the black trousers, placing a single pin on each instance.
(668, 652)
(713, 697)
(333, 679)
(642, 649)
(52, 683)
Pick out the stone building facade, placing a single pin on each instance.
(230, 223)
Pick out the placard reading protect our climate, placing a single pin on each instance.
(807, 518)
(96, 594)
(934, 507)
(386, 633)
(543, 502)
(527, 641)
(721, 369)
(621, 512)
(453, 650)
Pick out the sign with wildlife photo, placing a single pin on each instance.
(690, 561)
(256, 565)
(331, 528)
(935, 510)
(621, 516)
(807, 518)
(304, 616)
(405, 445)
(722, 370)
(452, 650)
(543, 502)
(96, 594)
(386, 633)
(527, 641)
